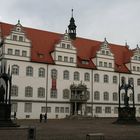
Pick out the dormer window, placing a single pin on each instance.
(21, 38)
(71, 59)
(85, 62)
(59, 58)
(63, 45)
(68, 46)
(103, 51)
(15, 37)
(41, 55)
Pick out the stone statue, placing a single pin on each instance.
(2, 93)
(126, 100)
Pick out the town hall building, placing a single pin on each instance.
(63, 75)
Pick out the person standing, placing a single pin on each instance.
(41, 117)
(45, 117)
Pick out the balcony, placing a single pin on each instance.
(78, 98)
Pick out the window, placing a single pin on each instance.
(85, 62)
(29, 71)
(131, 80)
(43, 109)
(138, 82)
(122, 96)
(71, 59)
(134, 68)
(76, 76)
(10, 51)
(28, 107)
(66, 75)
(65, 94)
(14, 90)
(24, 53)
(103, 51)
(63, 45)
(138, 97)
(107, 52)
(41, 92)
(123, 79)
(138, 68)
(98, 109)
(115, 96)
(96, 95)
(15, 69)
(115, 110)
(56, 109)
(65, 59)
(131, 97)
(41, 72)
(100, 64)
(105, 64)
(107, 109)
(48, 109)
(106, 96)
(14, 37)
(53, 93)
(114, 79)
(17, 52)
(54, 73)
(14, 107)
(61, 109)
(66, 109)
(68, 46)
(88, 95)
(21, 38)
(110, 65)
(96, 77)
(87, 77)
(59, 58)
(28, 91)
(89, 109)
(106, 79)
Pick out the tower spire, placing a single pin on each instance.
(72, 27)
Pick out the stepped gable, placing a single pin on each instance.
(43, 42)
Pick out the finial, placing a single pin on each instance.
(137, 46)
(126, 43)
(72, 12)
(105, 39)
(18, 21)
(66, 31)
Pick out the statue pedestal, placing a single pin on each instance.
(126, 115)
(5, 116)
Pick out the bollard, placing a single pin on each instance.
(31, 133)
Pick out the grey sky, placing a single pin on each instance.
(117, 20)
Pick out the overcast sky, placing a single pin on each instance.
(117, 20)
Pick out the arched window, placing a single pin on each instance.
(29, 71)
(115, 79)
(41, 92)
(28, 91)
(96, 77)
(14, 90)
(54, 73)
(65, 94)
(66, 75)
(106, 79)
(115, 96)
(15, 69)
(122, 96)
(96, 95)
(88, 95)
(87, 77)
(41, 72)
(106, 96)
(76, 76)
(131, 97)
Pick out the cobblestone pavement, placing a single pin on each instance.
(78, 129)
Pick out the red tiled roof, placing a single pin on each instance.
(43, 42)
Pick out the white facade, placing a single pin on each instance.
(33, 83)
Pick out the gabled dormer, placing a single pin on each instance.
(135, 60)
(65, 53)
(16, 44)
(104, 58)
